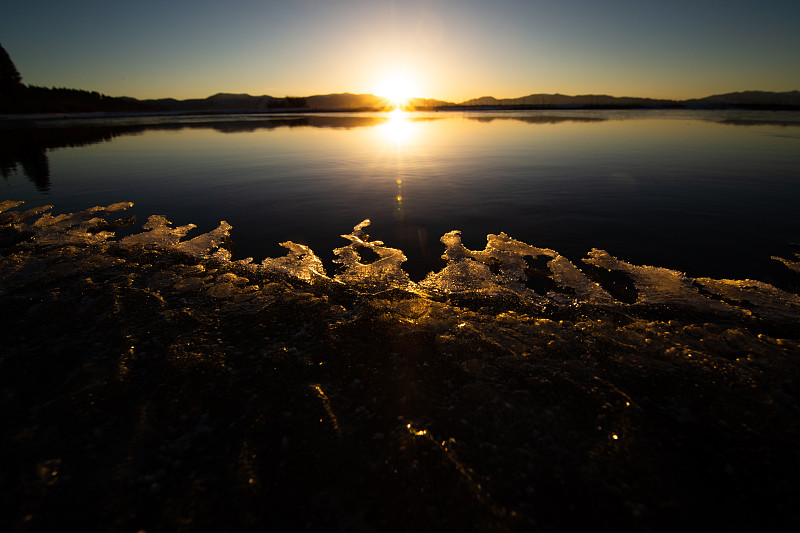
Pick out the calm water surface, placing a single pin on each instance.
(709, 193)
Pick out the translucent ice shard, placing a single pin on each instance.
(159, 233)
(461, 276)
(15, 217)
(657, 285)
(468, 271)
(384, 270)
(5, 205)
(762, 299)
(510, 257)
(300, 262)
(34, 211)
(75, 227)
(566, 274)
(793, 265)
(503, 265)
(201, 245)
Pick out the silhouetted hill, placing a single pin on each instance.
(246, 102)
(750, 99)
(427, 103)
(32, 99)
(27, 99)
(561, 100)
(18, 98)
(347, 101)
(218, 102)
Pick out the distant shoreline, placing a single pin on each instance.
(47, 103)
(615, 107)
(22, 117)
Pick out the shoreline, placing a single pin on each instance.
(11, 118)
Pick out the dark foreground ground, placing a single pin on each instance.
(150, 390)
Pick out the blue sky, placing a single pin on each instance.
(452, 50)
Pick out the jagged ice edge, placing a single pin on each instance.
(496, 270)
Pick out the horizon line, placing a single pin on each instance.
(224, 93)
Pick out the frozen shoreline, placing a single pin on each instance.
(505, 268)
(170, 387)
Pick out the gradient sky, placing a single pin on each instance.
(446, 49)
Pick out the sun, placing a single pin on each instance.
(398, 87)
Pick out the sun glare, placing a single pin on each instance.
(398, 88)
(398, 130)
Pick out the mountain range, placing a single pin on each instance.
(348, 101)
(338, 101)
(27, 100)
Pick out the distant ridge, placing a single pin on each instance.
(245, 102)
(348, 101)
(789, 99)
(561, 100)
(745, 99)
(40, 100)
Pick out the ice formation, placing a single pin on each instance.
(654, 284)
(300, 262)
(160, 235)
(84, 226)
(755, 297)
(384, 270)
(504, 266)
(793, 265)
(513, 376)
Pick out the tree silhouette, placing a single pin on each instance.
(10, 80)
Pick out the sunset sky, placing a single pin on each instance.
(445, 49)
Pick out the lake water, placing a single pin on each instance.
(710, 193)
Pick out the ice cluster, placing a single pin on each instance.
(384, 270)
(504, 267)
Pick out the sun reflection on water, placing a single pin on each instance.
(398, 130)
(398, 139)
